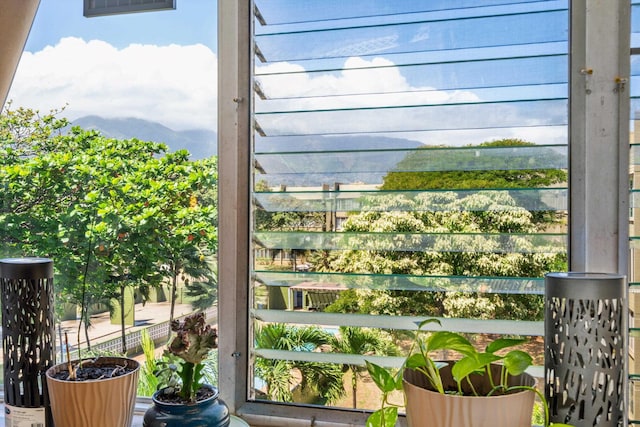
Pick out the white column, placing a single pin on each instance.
(234, 92)
(16, 17)
(599, 135)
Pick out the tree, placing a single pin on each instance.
(110, 212)
(321, 378)
(201, 285)
(460, 168)
(291, 215)
(464, 232)
(463, 242)
(442, 168)
(361, 341)
(186, 229)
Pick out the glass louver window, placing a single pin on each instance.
(634, 229)
(410, 161)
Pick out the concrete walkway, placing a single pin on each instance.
(102, 329)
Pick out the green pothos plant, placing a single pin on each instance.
(514, 362)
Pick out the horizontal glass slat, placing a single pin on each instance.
(278, 12)
(635, 198)
(350, 359)
(408, 323)
(325, 357)
(634, 242)
(302, 181)
(411, 242)
(322, 282)
(538, 114)
(635, 152)
(544, 75)
(415, 34)
(531, 199)
(400, 140)
(635, 24)
(419, 159)
(412, 97)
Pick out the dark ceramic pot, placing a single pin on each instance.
(211, 412)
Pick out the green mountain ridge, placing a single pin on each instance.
(201, 143)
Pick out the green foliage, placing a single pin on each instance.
(467, 170)
(110, 212)
(148, 382)
(322, 379)
(453, 226)
(461, 168)
(361, 341)
(203, 289)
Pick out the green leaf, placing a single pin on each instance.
(517, 361)
(382, 377)
(385, 417)
(445, 340)
(470, 364)
(427, 321)
(414, 361)
(501, 343)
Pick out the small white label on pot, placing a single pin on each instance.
(15, 416)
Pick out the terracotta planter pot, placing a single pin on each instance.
(96, 403)
(432, 409)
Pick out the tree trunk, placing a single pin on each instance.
(122, 320)
(354, 386)
(174, 294)
(87, 323)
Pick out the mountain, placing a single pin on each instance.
(201, 143)
(312, 143)
(307, 161)
(294, 161)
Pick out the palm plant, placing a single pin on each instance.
(361, 341)
(322, 378)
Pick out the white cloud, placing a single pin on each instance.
(174, 85)
(459, 118)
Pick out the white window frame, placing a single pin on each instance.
(599, 199)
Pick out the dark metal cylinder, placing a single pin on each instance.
(28, 338)
(585, 348)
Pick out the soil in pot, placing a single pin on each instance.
(88, 372)
(169, 396)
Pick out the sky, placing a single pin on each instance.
(162, 66)
(159, 66)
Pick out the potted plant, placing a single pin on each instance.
(478, 389)
(184, 400)
(99, 392)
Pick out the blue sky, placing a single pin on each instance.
(62, 18)
(159, 66)
(162, 66)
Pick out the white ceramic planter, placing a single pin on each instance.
(96, 403)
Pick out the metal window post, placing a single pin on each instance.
(599, 136)
(234, 151)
